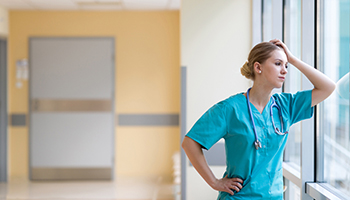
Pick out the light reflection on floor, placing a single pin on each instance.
(120, 189)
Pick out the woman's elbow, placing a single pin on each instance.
(319, 95)
(185, 144)
(188, 144)
(330, 89)
(332, 86)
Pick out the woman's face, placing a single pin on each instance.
(274, 69)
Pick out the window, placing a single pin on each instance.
(267, 20)
(317, 155)
(291, 191)
(333, 139)
(272, 22)
(292, 38)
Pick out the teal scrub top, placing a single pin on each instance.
(261, 170)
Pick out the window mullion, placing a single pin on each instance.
(319, 136)
(307, 153)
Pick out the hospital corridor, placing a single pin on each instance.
(110, 99)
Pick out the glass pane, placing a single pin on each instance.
(334, 137)
(267, 20)
(292, 38)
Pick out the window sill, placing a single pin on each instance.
(292, 173)
(323, 191)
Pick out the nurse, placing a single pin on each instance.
(255, 125)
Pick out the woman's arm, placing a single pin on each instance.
(195, 154)
(323, 86)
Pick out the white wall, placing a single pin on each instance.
(3, 22)
(215, 42)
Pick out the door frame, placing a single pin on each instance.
(3, 110)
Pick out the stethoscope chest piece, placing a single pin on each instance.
(257, 144)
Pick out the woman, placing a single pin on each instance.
(255, 125)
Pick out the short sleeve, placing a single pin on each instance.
(297, 105)
(210, 127)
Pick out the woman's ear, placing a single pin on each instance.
(257, 67)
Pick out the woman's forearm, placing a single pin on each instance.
(195, 155)
(323, 86)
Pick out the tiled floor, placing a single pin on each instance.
(120, 189)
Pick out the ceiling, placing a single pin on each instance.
(91, 4)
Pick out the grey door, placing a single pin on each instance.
(71, 108)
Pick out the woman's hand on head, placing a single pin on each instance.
(279, 43)
(228, 185)
(323, 86)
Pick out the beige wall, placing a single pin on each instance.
(215, 42)
(147, 80)
(3, 22)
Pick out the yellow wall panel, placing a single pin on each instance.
(18, 149)
(146, 151)
(3, 22)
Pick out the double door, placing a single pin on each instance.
(71, 113)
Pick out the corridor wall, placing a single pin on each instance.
(4, 22)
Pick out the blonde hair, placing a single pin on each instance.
(259, 53)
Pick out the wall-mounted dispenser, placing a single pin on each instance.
(21, 72)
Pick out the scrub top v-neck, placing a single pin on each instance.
(261, 170)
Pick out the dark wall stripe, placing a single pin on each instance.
(18, 120)
(183, 131)
(148, 120)
(123, 120)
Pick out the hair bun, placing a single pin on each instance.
(246, 70)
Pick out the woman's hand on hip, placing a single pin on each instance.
(228, 185)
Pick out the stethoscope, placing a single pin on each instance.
(257, 143)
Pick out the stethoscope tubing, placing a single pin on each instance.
(257, 143)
